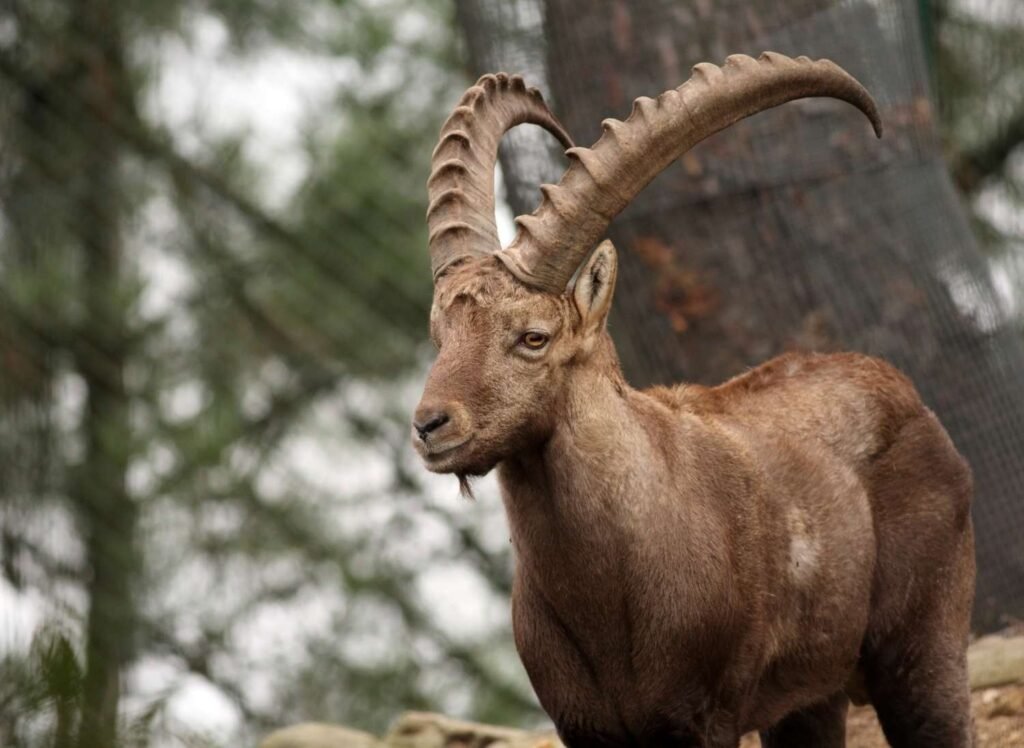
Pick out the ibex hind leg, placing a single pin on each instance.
(921, 694)
(916, 669)
(914, 657)
(821, 725)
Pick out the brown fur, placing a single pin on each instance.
(694, 563)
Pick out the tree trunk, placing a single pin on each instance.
(106, 512)
(797, 229)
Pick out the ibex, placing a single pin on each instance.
(692, 563)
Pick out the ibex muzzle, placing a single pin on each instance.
(692, 563)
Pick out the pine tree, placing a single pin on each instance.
(174, 334)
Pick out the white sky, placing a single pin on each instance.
(203, 89)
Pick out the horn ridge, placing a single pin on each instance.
(460, 188)
(603, 179)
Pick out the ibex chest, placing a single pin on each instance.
(611, 580)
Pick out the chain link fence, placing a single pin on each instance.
(793, 230)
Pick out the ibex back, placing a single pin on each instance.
(692, 563)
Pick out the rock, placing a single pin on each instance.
(996, 661)
(318, 735)
(1007, 703)
(427, 730)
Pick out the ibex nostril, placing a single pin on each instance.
(431, 423)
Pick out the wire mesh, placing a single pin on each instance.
(792, 230)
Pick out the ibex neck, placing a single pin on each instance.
(603, 365)
(582, 468)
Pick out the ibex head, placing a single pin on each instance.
(513, 326)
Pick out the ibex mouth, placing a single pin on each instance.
(438, 458)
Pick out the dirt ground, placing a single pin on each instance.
(998, 721)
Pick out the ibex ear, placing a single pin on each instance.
(595, 284)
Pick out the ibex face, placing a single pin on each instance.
(507, 324)
(505, 355)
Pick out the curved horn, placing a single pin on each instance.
(460, 216)
(601, 180)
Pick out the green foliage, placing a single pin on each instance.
(170, 338)
(978, 67)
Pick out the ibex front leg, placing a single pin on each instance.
(653, 736)
(821, 725)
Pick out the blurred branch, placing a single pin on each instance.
(974, 166)
(197, 660)
(142, 139)
(234, 285)
(258, 428)
(490, 566)
(393, 587)
(13, 544)
(470, 660)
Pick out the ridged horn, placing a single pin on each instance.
(460, 190)
(601, 180)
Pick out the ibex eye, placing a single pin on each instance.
(534, 340)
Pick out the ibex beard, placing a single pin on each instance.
(692, 563)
